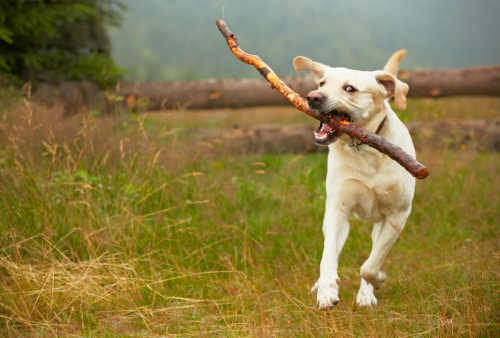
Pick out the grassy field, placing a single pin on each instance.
(128, 226)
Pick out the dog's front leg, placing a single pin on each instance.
(335, 230)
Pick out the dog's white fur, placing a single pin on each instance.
(362, 181)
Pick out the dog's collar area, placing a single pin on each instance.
(381, 125)
(356, 143)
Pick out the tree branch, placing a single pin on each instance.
(373, 140)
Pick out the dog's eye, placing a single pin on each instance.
(350, 89)
(322, 83)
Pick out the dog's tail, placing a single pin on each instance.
(392, 66)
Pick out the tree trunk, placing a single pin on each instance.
(230, 93)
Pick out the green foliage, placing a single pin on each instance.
(55, 40)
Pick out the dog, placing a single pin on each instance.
(360, 180)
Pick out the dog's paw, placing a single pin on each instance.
(365, 296)
(327, 294)
(375, 279)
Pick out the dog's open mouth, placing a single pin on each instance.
(325, 135)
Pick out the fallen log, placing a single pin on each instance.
(464, 135)
(244, 93)
(478, 81)
(365, 137)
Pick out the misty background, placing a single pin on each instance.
(170, 40)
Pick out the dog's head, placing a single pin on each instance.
(357, 96)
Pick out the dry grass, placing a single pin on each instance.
(122, 226)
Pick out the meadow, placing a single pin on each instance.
(132, 226)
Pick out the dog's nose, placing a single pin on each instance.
(315, 99)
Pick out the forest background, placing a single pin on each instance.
(177, 40)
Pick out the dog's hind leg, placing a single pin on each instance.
(384, 235)
(366, 296)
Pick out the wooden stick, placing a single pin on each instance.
(373, 140)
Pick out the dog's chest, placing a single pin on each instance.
(390, 196)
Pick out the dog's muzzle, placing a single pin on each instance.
(325, 134)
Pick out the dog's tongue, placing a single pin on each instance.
(326, 128)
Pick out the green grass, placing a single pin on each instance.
(126, 227)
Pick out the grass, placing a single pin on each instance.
(127, 226)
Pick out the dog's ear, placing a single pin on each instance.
(392, 65)
(317, 70)
(393, 87)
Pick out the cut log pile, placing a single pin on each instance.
(240, 93)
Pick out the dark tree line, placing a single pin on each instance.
(55, 40)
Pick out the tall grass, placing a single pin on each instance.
(122, 226)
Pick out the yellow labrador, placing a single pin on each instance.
(360, 181)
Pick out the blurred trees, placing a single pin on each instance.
(49, 40)
(168, 40)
